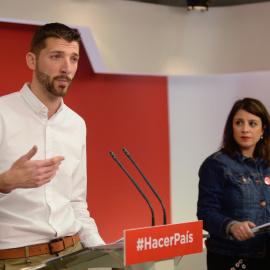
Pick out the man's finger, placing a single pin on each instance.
(52, 161)
(31, 153)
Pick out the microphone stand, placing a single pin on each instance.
(149, 184)
(132, 180)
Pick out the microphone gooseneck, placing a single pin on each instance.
(149, 184)
(135, 184)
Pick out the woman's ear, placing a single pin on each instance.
(31, 60)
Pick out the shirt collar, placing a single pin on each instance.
(243, 158)
(34, 102)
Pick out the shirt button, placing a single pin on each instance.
(263, 203)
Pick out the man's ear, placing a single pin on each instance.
(31, 60)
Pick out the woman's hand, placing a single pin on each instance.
(241, 230)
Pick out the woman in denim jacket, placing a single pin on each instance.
(234, 191)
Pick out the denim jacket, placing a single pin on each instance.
(233, 190)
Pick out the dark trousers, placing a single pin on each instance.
(217, 261)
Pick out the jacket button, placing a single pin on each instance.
(263, 203)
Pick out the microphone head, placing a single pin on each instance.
(125, 151)
(115, 158)
(112, 154)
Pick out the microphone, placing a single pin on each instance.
(135, 184)
(146, 180)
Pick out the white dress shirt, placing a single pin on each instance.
(56, 209)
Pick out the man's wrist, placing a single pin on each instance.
(5, 186)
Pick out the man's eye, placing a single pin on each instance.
(55, 56)
(75, 59)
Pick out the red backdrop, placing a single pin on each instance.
(120, 111)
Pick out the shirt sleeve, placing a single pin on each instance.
(89, 235)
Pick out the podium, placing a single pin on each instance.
(110, 256)
(140, 249)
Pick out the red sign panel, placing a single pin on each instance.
(162, 242)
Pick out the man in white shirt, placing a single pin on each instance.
(43, 159)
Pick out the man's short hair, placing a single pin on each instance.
(54, 30)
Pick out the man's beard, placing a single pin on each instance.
(48, 84)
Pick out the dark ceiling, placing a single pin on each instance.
(213, 3)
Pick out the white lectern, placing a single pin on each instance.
(140, 249)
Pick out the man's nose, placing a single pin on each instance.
(66, 67)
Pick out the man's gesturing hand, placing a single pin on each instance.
(27, 173)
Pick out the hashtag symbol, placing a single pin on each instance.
(140, 243)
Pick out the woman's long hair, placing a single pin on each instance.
(253, 106)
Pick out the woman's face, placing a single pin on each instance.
(247, 131)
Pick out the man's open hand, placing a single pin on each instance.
(27, 173)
